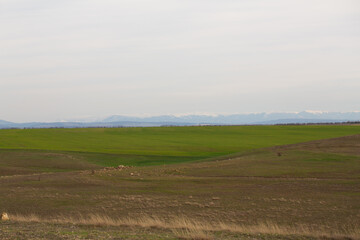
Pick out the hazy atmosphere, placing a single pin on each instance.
(180, 119)
(69, 59)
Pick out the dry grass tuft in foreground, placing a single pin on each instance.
(186, 228)
(192, 234)
(4, 217)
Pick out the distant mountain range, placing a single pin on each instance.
(186, 120)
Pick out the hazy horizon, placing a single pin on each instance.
(80, 58)
(315, 114)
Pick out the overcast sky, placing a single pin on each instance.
(77, 58)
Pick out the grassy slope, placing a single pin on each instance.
(330, 158)
(156, 146)
(312, 184)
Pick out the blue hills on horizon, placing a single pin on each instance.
(304, 117)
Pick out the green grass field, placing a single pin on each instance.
(157, 146)
(304, 181)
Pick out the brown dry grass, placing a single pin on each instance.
(312, 190)
(194, 229)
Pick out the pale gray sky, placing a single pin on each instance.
(73, 58)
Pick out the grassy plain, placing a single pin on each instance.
(91, 147)
(275, 182)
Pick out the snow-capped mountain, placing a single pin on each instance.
(184, 120)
